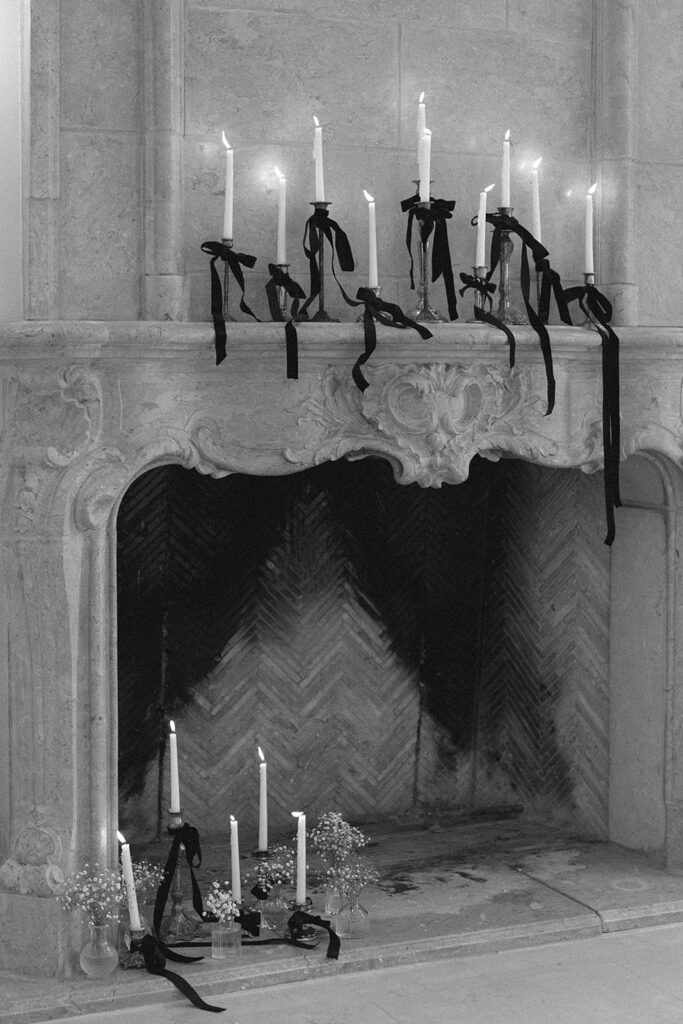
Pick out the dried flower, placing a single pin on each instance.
(334, 839)
(220, 901)
(95, 890)
(148, 877)
(277, 868)
(351, 876)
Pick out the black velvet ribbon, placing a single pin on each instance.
(486, 288)
(235, 261)
(279, 279)
(300, 918)
(320, 225)
(186, 836)
(433, 217)
(598, 309)
(155, 953)
(387, 313)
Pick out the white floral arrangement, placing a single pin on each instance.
(351, 876)
(95, 890)
(277, 868)
(220, 901)
(147, 876)
(335, 839)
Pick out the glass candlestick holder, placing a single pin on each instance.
(322, 316)
(178, 926)
(282, 291)
(228, 243)
(479, 295)
(589, 281)
(507, 312)
(424, 312)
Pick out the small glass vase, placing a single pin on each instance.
(353, 920)
(333, 900)
(98, 957)
(226, 940)
(275, 912)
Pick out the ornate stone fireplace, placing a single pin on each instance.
(90, 406)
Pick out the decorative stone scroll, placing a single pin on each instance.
(33, 864)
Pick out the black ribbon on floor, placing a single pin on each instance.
(279, 279)
(187, 836)
(296, 925)
(598, 309)
(550, 282)
(155, 953)
(387, 313)
(433, 217)
(235, 261)
(486, 288)
(320, 225)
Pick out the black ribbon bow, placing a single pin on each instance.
(387, 313)
(598, 309)
(320, 225)
(279, 279)
(433, 217)
(186, 836)
(155, 953)
(486, 288)
(296, 925)
(235, 261)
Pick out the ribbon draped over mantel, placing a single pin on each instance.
(280, 279)
(235, 262)
(598, 309)
(320, 225)
(387, 313)
(432, 216)
(486, 288)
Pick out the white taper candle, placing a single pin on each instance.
(129, 879)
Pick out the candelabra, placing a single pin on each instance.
(322, 316)
(179, 926)
(228, 243)
(423, 311)
(507, 313)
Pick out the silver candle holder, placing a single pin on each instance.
(228, 243)
(589, 282)
(282, 291)
(178, 926)
(507, 313)
(480, 273)
(322, 316)
(423, 312)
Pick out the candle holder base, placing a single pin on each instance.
(130, 954)
(322, 317)
(282, 291)
(179, 926)
(589, 281)
(424, 312)
(260, 853)
(507, 312)
(480, 274)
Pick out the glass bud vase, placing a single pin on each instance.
(352, 921)
(98, 957)
(226, 939)
(333, 900)
(275, 912)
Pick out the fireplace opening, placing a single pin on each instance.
(394, 650)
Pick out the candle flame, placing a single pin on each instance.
(535, 165)
(316, 122)
(489, 187)
(427, 131)
(120, 837)
(171, 725)
(422, 98)
(226, 143)
(232, 817)
(278, 174)
(592, 189)
(507, 136)
(297, 814)
(369, 198)
(260, 754)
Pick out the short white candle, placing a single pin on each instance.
(421, 122)
(263, 803)
(373, 281)
(300, 857)
(229, 187)
(173, 759)
(129, 879)
(588, 261)
(318, 158)
(505, 180)
(281, 217)
(480, 259)
(235, 860)
(535, 202)
(425, 165)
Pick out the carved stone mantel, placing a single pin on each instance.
(88, 406)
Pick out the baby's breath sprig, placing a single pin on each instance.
(221, 902)
(352, 875)
(148, 877)
(95, 890)
(335, 839)
(277, 868)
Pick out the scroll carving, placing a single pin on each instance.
(33, 864)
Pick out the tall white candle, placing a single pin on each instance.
(318, 158)
(263, 803)
(129, 879)
(535, 202)
(300, 857)
(281, 217)
(425, 165)
(480, 259)
(505, 180)
(421, 122)
(373, 281)
(235, 860)
(173, 759)
(589, 265)
(229, 188)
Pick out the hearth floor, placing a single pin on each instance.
(461, 887)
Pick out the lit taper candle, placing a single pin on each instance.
(173, 760)
(229, 188)
(505, 180)
(589, 261)
(281, 217)
(373, 280)
(421, 121)
(235, 859)
(263, 803)
(535, 202)
(425, 165)
(481, 228)
(300, 897)
(129, 879)
(318, 158)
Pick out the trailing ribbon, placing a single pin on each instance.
(433, 217)
(550, 281)
(598, 309)
(320, 225)
(235, 261)
(299, 918)
(155, 952)
(279, 279)
(386, 313)
(186, 836)
(486, 289)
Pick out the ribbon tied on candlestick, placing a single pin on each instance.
(432, 216)
(486, 288)
(387, 313)
(320, 225)
(235, 262)
(188, 837)
(280, 279)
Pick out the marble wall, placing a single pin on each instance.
(128, 102)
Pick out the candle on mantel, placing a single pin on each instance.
(535, 202)
(589, 265)
(129, 879)
(425, 168)
(229, 188)
(421, 122)
(373, 280)
(300, 897)
(235, 860)
(263, 803)
(480, 259)
(505, 181)
(281, 217)
(173, 760)
(318, 158)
